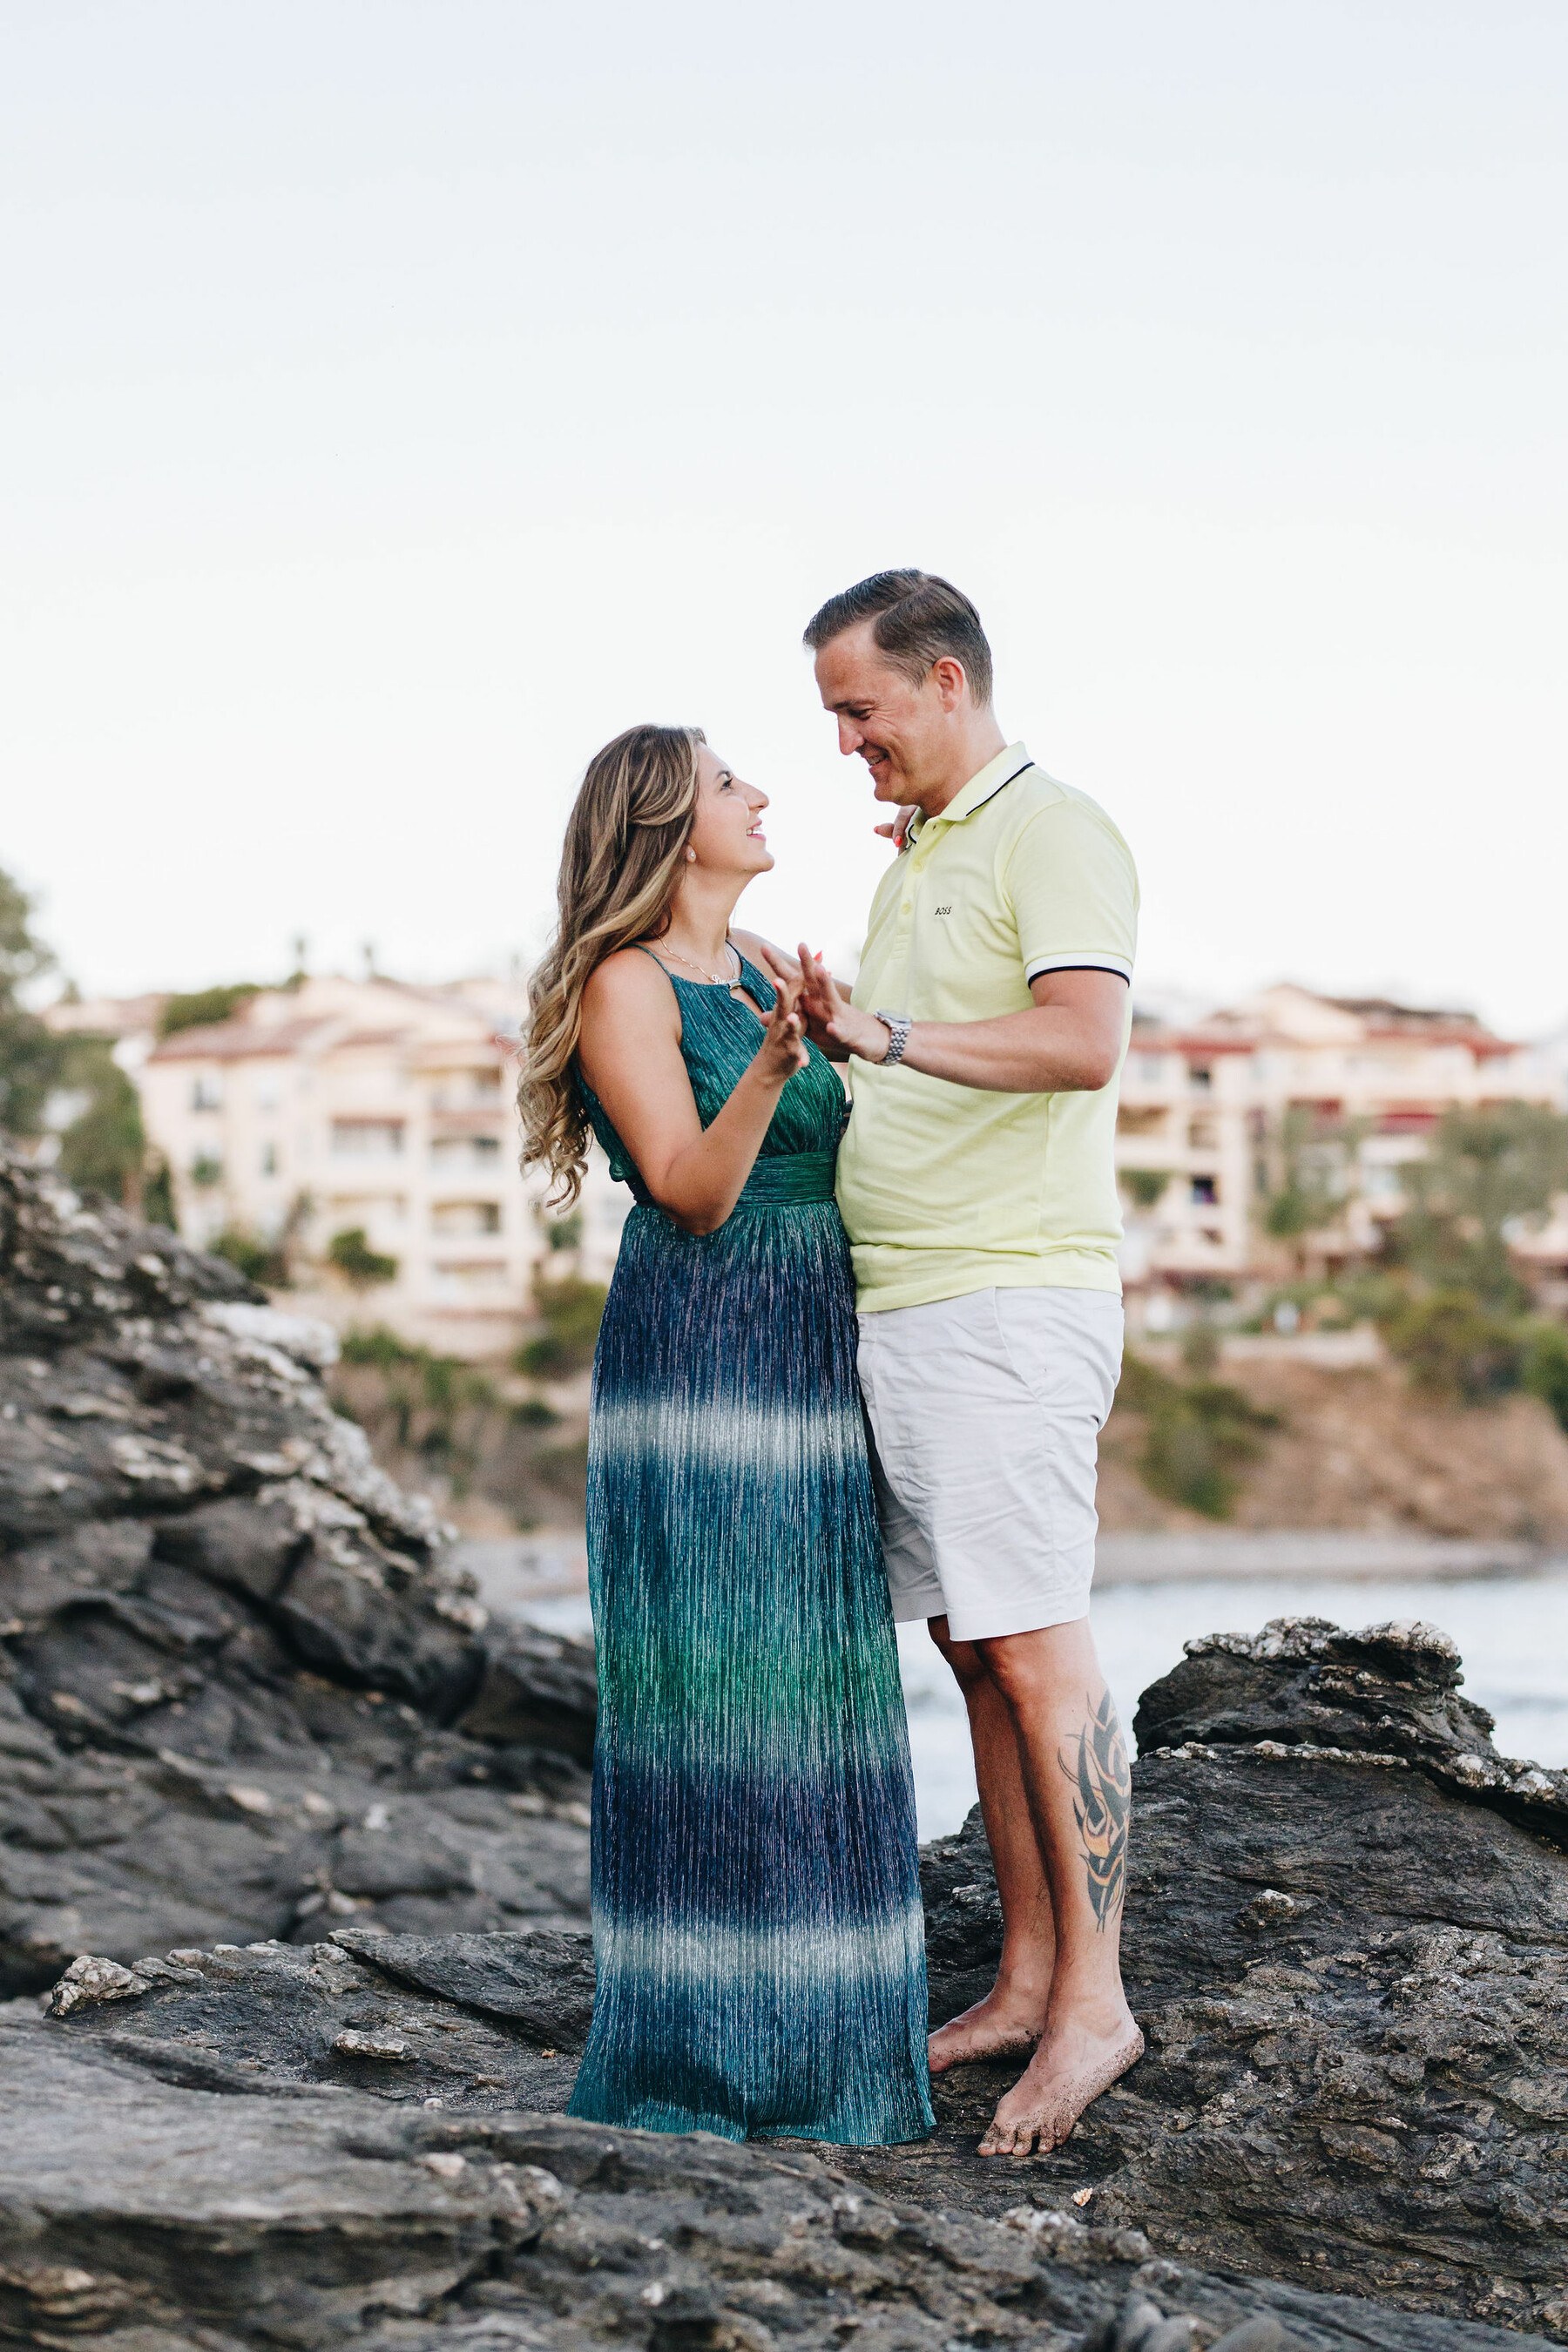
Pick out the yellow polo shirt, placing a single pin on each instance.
(947, 1189)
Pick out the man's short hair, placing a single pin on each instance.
(918, 620)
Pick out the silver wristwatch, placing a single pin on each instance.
(900, 1037)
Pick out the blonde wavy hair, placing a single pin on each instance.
(620, 863)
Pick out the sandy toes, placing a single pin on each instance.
(989, 2029)
(1065, 2075)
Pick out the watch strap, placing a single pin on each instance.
(898, 1026)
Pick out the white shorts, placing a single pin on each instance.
(985, 1411)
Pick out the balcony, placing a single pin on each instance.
(465, 1155)
(471, 1279)
(366, 1138)
(464, 1218)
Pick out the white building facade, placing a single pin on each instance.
(339, 1106)
(1207, 1107)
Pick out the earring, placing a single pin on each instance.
(692, 857)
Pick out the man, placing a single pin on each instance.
(987, 1028)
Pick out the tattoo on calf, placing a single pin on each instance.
(1103, 1807)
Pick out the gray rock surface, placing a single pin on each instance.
(1348, 1960)
(240, 1692)
(1347, 1944)
(190, 2196)
(251, 1726)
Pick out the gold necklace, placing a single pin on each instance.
(714, 979)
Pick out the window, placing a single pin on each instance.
(1151, 1069)
(456, 1155)
(366, 1138)
(465, 1217)
(460, 1090)
(1200, 1076)
(1205, 1192)
(207, 1094)
(467, 1275)
(206, 1168)
(269, 1159)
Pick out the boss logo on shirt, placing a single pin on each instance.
(944, 910)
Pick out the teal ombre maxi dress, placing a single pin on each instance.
(757, 1926)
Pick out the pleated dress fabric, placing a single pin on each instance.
(758, 1934)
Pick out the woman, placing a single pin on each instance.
(757, 1924)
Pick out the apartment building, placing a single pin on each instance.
(1209, 1107)
(339, 1105)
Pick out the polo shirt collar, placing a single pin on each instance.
(993, 777)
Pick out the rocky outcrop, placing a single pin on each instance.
(300, 1843)
(1348, 1959)
(240, 1694)
(1347, 1944)
(214, 2174)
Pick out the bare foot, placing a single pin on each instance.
(1072, 2066)
(1000, 2026)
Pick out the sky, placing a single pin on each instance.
(399, 397)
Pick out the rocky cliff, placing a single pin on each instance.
(240, 1697)
(1347, 1944)
(298, 1842)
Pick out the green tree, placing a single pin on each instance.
(204, 1008)
(104, 1147)
(1314, 1158)
(1487, 1172)
(29, 1055)
(158, 1194)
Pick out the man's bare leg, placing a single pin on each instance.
(1011, 2017)
(1073, 1765)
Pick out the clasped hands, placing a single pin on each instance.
(832, 1023)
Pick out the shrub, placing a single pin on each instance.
(533, 1412)
(437, 1405)
(1453, 1345)
(571, 1310)
(1144, 1186)
(1199, 1434)
(351, 1253)
(1544, 1370)
(258, 1260)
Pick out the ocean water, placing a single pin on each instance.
(1512, 1631)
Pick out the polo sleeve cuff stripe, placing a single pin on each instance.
(1083, 962)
